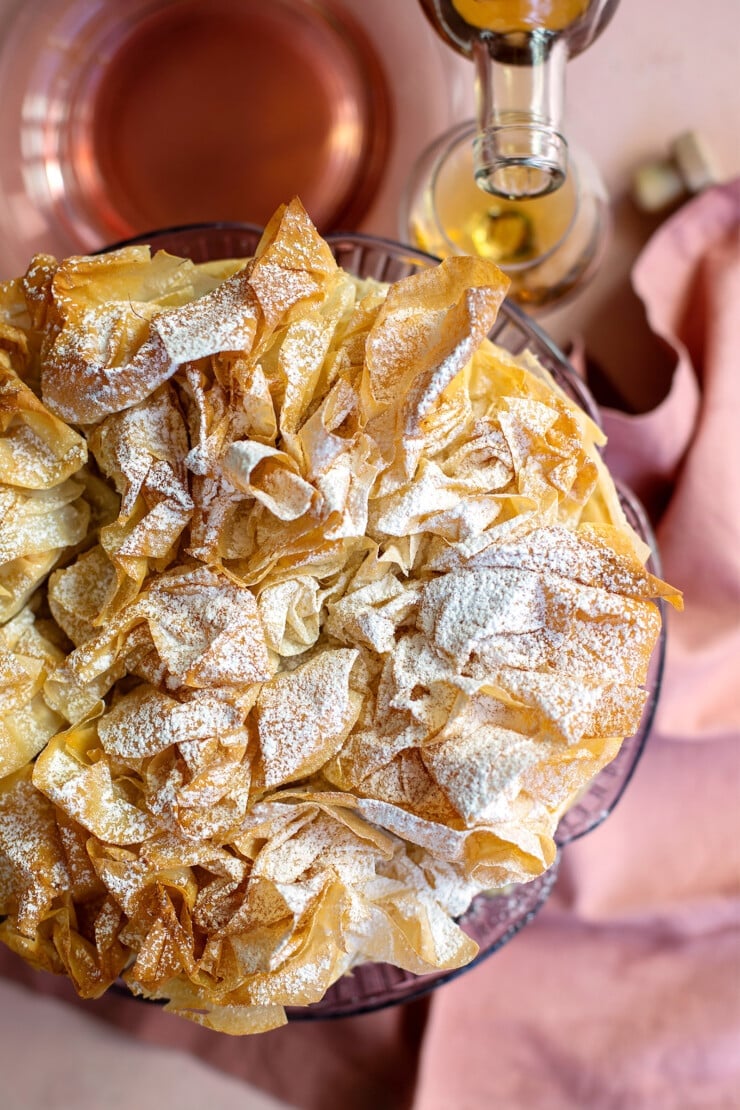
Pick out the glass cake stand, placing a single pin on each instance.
(492, 919)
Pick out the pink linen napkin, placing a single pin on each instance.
(689, 279)
(625, 993)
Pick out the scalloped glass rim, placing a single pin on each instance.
(492, 920)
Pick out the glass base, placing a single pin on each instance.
(549, 245)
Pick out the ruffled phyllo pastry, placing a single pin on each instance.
(42, 508)
(344, 613)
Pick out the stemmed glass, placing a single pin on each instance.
(506, 185)
(519, 49)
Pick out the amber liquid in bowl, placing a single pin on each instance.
(178, 123)
(212, 110)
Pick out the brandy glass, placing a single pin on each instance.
(520, 49)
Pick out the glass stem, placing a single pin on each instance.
(519, 150)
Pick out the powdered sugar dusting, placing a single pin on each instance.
(345, 653)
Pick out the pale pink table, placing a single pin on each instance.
(659, 69)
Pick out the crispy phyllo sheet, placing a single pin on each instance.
(343, 615)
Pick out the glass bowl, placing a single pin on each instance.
(492, 919)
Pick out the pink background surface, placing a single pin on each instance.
(625, 993)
